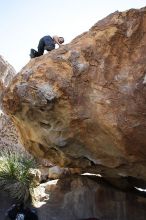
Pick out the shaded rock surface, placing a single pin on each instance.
(77, 198)
(83, 105)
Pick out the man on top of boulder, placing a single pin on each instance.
(46, 43)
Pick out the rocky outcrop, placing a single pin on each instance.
(7, 72)
(9, 138)
(79, 198)
(83, 105)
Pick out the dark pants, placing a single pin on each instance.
(45, 44)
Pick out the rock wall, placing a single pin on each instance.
(81, 198)
(83, 105)
(7, 72)
(9, 138)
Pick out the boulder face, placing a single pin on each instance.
(83, 105)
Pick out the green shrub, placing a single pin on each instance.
(14, 175)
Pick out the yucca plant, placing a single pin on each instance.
(14, 175)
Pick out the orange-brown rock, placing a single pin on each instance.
(84, 104)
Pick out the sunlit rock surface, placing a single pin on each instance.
(84, 104)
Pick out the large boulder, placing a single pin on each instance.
(84, 104)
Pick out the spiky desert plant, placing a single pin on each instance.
(14, 175)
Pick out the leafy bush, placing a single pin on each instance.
(14, 175)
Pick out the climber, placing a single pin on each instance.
(46, 43)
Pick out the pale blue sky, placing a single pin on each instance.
(24, 22)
